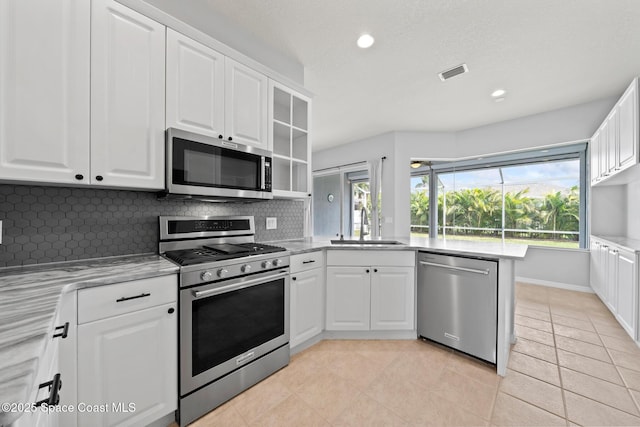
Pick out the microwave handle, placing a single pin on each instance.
(263, 185)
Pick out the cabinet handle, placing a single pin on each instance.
(367, 270)
(294, 278)
(65, 330)
(220, 137)
(99, 178)
(375, 270)
(309, 262)
(54, 386)
(79, 177)
(135, 297)
(171, 310)
(230, 139)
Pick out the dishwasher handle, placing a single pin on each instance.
(452, 267)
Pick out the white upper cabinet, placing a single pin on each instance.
(246, 105)
(614, 146)
(44, 90)
(127, 97)
(289, 124)
(628, 127)
(195, 86)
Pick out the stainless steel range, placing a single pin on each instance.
(234, 308)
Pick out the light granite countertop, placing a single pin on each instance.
(627, 243)
(453, 247)
(29, 299)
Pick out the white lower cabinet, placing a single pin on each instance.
(307, 297)
(392, 298)
(127, 352)
(614, 278)
(375, 292)
(348, 299)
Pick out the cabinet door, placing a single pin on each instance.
(626, 292)
(628, 127)
(392, 298)
(44, 90)
(245, 105)
(195, 86)
(612, 142)
(603, 155)
(611, 279)
(307, 305)
(348, 298)
(595, 158)
(127, 97)
(129, 359)
(596, 267)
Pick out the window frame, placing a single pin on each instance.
(565, 152)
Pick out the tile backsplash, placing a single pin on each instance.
(49, 224)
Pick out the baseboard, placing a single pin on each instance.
(567, 286)
(370, 335)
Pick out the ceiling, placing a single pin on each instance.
(546, 54)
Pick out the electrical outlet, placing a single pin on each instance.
(272, 223)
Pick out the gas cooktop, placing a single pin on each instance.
(219, 252)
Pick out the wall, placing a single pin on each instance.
(633, 210)
(606, 221)
(576, 123)
(47, 224)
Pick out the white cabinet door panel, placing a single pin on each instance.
(128, 359)
(195, 86)
(44, 90)
(307, 305)
(626, 292)
(392, 298)
(348, 298)
(127, 97)
(628, 127)
(246, 103)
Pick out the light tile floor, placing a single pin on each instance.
(572, 365)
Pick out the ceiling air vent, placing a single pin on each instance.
(452, 72)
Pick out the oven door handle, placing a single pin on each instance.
(239, 285)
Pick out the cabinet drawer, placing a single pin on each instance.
(307, 261)
(368, 257)
(113, 300)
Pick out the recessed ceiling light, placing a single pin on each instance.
(498, 93)
(365, 41)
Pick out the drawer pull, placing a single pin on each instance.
(135, 297)
(54, 386)
(65, 331)
(309, 262)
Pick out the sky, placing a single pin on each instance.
(559, 175)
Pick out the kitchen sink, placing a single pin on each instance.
(365, 242)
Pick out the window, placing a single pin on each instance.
(535, 198)
(338, 200)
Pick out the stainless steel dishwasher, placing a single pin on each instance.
(457, 303)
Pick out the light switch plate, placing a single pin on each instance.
(272, 223)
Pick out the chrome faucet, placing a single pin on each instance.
(363, 221)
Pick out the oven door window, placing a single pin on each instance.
(227, 325)
(206, 165)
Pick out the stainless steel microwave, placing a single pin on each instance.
(204, 167)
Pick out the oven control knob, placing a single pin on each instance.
(222, 272)
(206, 275)
(266, 264)
(245, 268)
(277, 262)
